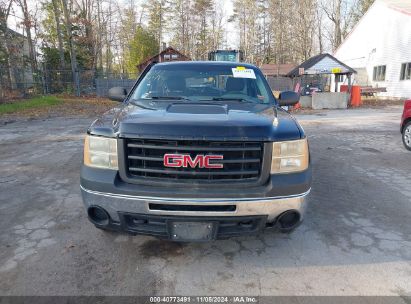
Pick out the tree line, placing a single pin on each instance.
(291, 31)
(114, 36)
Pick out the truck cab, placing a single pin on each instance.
(226, 55)
(197, 151)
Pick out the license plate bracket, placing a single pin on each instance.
(190, 231)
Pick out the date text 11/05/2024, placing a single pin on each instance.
(204, 299)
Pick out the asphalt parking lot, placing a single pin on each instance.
(356, 239)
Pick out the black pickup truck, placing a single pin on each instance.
(197, 151)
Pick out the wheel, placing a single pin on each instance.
(406, 136)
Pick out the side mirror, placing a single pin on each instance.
(288, 98)
(117, 94)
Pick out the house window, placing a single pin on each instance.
(379, 73)
(174, 56)
(167, 57)
(405, 71)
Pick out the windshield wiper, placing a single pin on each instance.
(154, 99)
(233, 99)
(167, 98)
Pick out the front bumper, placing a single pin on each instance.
(152, 215)
(234, 210)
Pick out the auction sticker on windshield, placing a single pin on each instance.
(242, 72)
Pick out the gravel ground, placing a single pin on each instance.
(356, 239)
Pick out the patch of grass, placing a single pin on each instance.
(36, 102)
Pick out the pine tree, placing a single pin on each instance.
(157, 19)
(142, 46)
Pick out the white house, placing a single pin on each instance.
(379, 48)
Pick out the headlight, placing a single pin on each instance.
(100, 152)
(289, 156)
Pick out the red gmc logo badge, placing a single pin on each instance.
(185, 161)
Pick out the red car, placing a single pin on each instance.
(406, 125)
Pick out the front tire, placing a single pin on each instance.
(406, 136)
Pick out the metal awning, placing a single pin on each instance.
(321, 64)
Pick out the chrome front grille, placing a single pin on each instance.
(241, 161)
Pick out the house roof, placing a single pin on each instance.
(327, 63)
(14, 33)
(167, 50)
(403, 6)
(270, 69)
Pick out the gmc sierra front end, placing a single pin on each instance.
(197, 151)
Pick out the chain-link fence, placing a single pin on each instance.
(18, 83)
(280, 83)
(103, 84)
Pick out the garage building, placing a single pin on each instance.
(379, 48)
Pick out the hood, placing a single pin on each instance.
(245, 122)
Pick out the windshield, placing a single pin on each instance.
(201, 82)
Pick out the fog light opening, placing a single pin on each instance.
(98, 216)
(246, 224)
(289, 220)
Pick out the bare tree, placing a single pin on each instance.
(73, 56)
(98, 34)
(305, 28)
(319, 23)
(342, 16)
(56, 11)
(157, 18)
(217, 26)
(5, 7)
(181, 25)
(28, 24)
